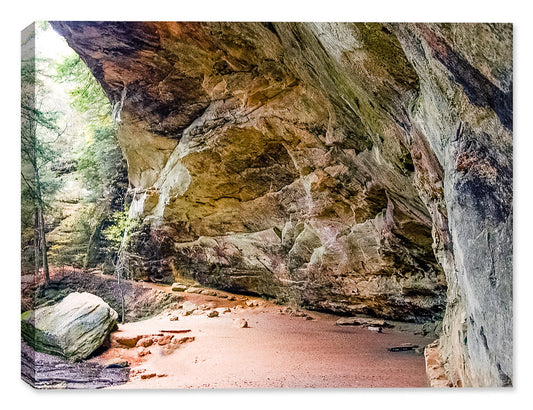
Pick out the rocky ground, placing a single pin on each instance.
(214, 339)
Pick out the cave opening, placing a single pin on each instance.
(295, 187)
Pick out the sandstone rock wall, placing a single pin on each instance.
(464, 109)
(349, 167)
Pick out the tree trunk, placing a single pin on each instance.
(43, 248)
(36, 243)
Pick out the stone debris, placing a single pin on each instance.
(212, 313)
(362, 321)
(188, 308)
(148, 375)
(175, 331)
(179, 287)
(435, 366)
(182, 340)
(240, 323)
(375, 329)
(145, 342)
(121, 341)
(116, 363)
(209, 292)
(193, 290)
(164, 340)
(402, 348)
(223, 310)
(174, 344)
(298, 313)
(143, 351)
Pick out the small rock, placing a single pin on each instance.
(309, 318)
(164, 340)
(188, 308)
(145, 342)
(212, 313)
(375, 329)
(209, 292)
(174, 306)
(403, 347)
(193, 290)
(143, 351)
(232, 298)
(223, 310)
(181, 340)
(361, 321)
(240, 323)
(299, 313)
(168, 349)
(223, 296)
(116, 363)
(174, 317)
(118, 340)
(179, 287)
(147, 375)
(250, 303)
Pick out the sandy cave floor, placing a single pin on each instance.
(276, 350)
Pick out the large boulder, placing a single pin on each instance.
(72, 329)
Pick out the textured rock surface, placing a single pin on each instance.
(72, 329)
(349, 167)
(138, 300)
(44, 371)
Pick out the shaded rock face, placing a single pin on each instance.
(358, 168)
(139, 302)
(72, 329)
(44, 371)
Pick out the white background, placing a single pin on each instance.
(19, 14)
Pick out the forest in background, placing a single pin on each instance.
(73, 175)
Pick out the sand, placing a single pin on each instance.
(277, 350)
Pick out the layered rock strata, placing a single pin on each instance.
(72, 329)
(351, 167)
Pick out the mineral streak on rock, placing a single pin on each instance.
(357, 168)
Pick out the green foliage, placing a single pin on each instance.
(38, 125)
(118, 231)
(38, 179)
(100, 163)
(87, 94)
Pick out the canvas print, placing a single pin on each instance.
(266, 205)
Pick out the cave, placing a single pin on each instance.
(349, 168)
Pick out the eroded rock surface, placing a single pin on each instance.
(133, 301)
(351, 167)
(73, 328)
